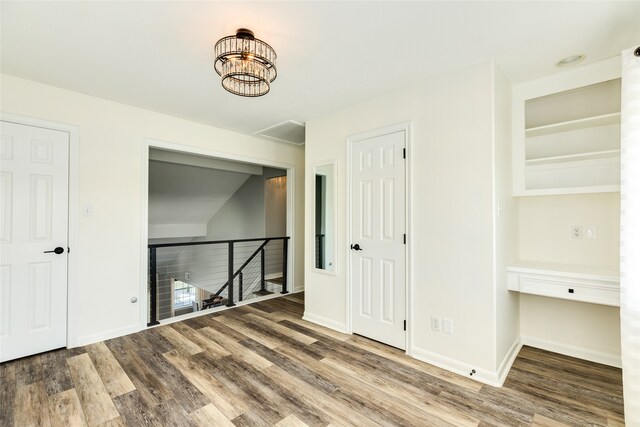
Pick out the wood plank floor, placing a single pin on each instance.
(261, 365)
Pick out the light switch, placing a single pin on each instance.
(447, 326)
(87, 210)
(591, 231)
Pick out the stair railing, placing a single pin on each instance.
(231, 273)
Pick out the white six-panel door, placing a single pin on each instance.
(378, 227)
(33, 220)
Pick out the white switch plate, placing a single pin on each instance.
(447, 326)
(87, 210)
(591, 231)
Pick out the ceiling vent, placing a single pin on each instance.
(289, 131)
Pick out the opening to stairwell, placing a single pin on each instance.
(218, 233)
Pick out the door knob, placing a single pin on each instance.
(356, 247)
(56, 251)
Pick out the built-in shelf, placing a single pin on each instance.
(566, 132)
(575, 157)
(584, 123)
(596, 285)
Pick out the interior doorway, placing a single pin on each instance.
(378, 256)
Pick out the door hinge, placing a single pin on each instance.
(405, 325)
(404, 153)
(405, 239)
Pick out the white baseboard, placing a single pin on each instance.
(106, 335)
(573, 351)
(507, 362)
(323, 321)
(461, 368)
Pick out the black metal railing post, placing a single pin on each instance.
(153, 288)
(216, 298)
(230, 281)
(285, 244)
(263, 283)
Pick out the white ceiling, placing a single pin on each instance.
(158, 55)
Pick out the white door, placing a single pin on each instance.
(33, 223)
(378, 229)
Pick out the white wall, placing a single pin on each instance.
(507, 304)
(544, 227)
(275, 206)
(110, 179)
(545, 224)
(579, 329)
(452, 235)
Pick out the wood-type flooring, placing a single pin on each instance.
(262, 365)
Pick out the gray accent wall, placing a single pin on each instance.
(243, 216)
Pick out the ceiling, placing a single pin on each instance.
(331, 55)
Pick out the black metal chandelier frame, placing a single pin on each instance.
(247, 65)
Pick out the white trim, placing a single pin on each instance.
(72, 265)
(148, 143)
(326, 322)
(573, 351)
(107, 335)
(507, 361)
(333, 163)
(408, 187)
(482, 375)
(409, 246)
(494, 221)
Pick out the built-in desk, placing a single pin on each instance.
(571, 282)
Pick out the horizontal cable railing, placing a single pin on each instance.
(188, 276)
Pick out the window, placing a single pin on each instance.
(184, 295)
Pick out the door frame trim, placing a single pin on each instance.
(72, 214)
(148, 143)
(406, 127)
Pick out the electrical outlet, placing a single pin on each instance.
(591, 231)
(435, 323)
(187, 276)
(447, 326)
(576, 231)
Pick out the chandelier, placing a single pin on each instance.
(247, 65)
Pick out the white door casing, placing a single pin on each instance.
(33, 219)
(378, 270)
